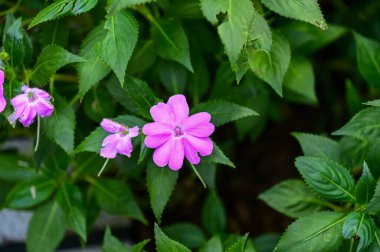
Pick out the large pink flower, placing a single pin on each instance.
(176, 135)
(30, 103)
(3, 103)
(119, 141)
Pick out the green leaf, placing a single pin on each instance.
(291, 197)
(117, 47)
(143, 58)
(211, 8)
(112, 244)
(70, 199)
(170, 42)
(60, 126)
(46, 228)
(213, 245)
(14, 41)
(272, 67)
(161, 183)
(323, 147)
(186, 233)
(184, 9)
(139, 246)
(355, 148)
(93, 64)
(208, 172)
(217, 157)
(239, 245)
(373, 206)
(13, 168)
(364, 125)
(260, 34)
(365, 187)
(317, 232)
(306, 10)
(120, 94)
(353, 98)
(368, 58)
(165, 244)
(31, 193)
(359, 225)
(117, 5)
(374, 103)
(173, 76)
(51, 59)
(266, 242)
(62, 8)
(54, 33)
(373, 159)
(327, 178)
(115, 197)
(223, 112)
(214, 214)
(299, 82)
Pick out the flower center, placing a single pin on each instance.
(31, 97)
(178, 131)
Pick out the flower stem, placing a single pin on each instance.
(198, 175)
(104, 166)
(38, 133)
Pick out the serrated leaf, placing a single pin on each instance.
(359, 225)
(213, 245)
(213, 214)
(14, 41)
(51, 59)
(291, 197)
(139, 246)
(218, 157)
(272, 67)
(355, 148)
(161, 183)
(323, 147)
(112, 244)
(223, 112)
(60, 126)
(239, 245)
(211, 8)
(186, 233)
(46, 228)
(117, 5)
(93, 64)
(368, 58)
(365, 187)
(364, 125)
(329, 179)
(305, 10)
(374, 103)
(260, 34)
(170, 42)
(373, 206)
(120, 94)
(117, 47)
(165, 244)
(321, 231)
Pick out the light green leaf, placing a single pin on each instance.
(51, 59)
(165, 244)
(260, 34)
(329, 179)
(60, 126)
(93, 63)
(365, 187)
(14, 41)
(320, 231)
(112, 244)
(211, 8)
(239, 245)
(117, 5)
(46, 228)
(186, 233)
(217, 157)
(173, 76)
(291, 197)
(373, 206)
(355, 148)
(117, 47)
(170, 41)
(161, 183)
(213, 245)
(374, 103)
(272, 67)
(305, 10)
(368, 58)
(213, 214)
(223, 112)
(359, 225)
(139, 246)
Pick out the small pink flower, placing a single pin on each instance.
(31, 103)
(3, 103)
(119, 141)
(176, 135)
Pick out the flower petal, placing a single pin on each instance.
(3, 102)
(177, 155)
(193, 120)
(154, 141)
(203, 145)
(44, 108)
(111, 126)
(156, 128)
(124, 146)
(162, 113)
(109, 146)
(133, 132)
(179, 107)
(162, 154)
(27, 117)
(201, 130)
(190, 153)
(39, 93)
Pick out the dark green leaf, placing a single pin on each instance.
(121, 95)
(359, 225)
(13, 168)
(239, 245)
(217, 156)
(173, 76)
(14, 41)
(55, 33)
(355, 148)
(353, 98)
(208, 172)
(373, 159)
(186, 233)
(143, 58)
(117, 5)
(365, 187)
(373, 206)
(266, 242)
(213, 214)
(112, 244)
(165, 244)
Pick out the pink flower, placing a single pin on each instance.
(31, 103)
(3, 103)
(119, 141)
(175, 134)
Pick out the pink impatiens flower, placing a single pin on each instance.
(176, 135)
(30, 103)
(119, 141)
(3, 103)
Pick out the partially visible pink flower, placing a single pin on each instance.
(3, 103)
(30, 103)
(119, 141)
(176, 135)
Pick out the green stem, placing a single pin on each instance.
(104, 166)
(38, 133)
(351, 244)
(327, 204)
(51, 86)
(74, 100)
(198, 175)
(377, 240)
(66, 78)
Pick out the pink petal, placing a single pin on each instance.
(111, 126)
(27, 117)
(162, 113)
(193, 120)
(108, 152)
(179, 107)
(44, 108)
(190, 153)
(3, 102)
(154, 141)
(177, 155)
(203, 145)
(19, 100)
(133, 132)
(156, 128)
(201, 130)
(125, 146)
(111, 139)
(39, 93)
(162, 154)
(109, 146)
